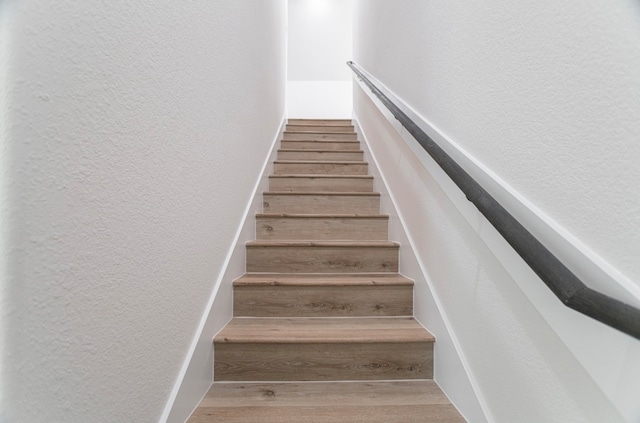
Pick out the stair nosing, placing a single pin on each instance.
(321, 141)
(298, 119)
(291, 330)
(316, 124)
(303, 150)
(316, 279)
(323, 216)
(322, 243)
(321, 133)
(335, 193)
(345, 162)
(321, 176)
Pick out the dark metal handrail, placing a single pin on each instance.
(560, 280)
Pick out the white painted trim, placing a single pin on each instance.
(602, 360)
(183, 400)
(585, 263)
(480, 410)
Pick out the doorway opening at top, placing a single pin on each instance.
(320, 41)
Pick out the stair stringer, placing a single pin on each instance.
(196, 374)
(457, 381)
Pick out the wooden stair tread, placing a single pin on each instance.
(318, 150)
(338, 193)
(347, 124)
(320, 133)
(331, 393)
(313, 279)
(315, 162)
(312, 330)
(327, 215)
(321, 166)
(318, 136)
(326, 402)
(321, 182)
(321, 128)
(330, 243)
(333, 145)
(322, 300)
(296, 201)
(328, 414)
(317, 129)
(301, 121)
(320, 141)
(317, 295)
(316, 176)
(324, 154)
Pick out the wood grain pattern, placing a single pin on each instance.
(319, 128)
(320, 122)
(340, 414)
(320, 155)
(320, 145)
(322, 300)
(326, 183)
(319, 257)
(334, 279)
(321, 227)
(288, 167)
(323, 361)
(313, 136)
(326, 402)
(314, 202)
(323, 330)
(369, 393)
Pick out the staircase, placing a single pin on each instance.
(323, 328)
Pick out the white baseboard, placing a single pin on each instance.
(457, 382)
(196, 375)
(601, 359)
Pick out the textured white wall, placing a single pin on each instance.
(545, 96)
(132, 137)
(319, 44)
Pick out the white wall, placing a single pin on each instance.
(133, 135)
(543, 97)
(319, 44)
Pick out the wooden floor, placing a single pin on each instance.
(323, 327)
(322, 402)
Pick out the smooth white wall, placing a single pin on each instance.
(545, 96)
(132, 137)
(319, 45)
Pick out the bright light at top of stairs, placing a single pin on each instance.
(318, 7)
